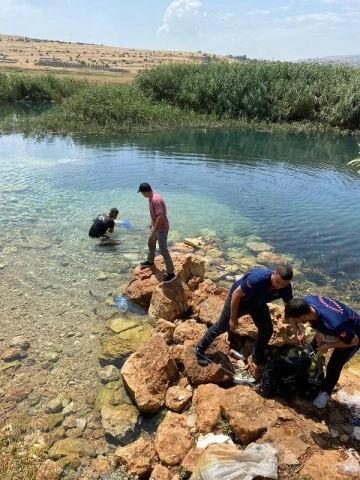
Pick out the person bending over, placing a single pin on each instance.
(250, 295)
(103, 223)
(328, 317)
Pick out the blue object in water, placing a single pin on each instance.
(126, 224)
(126, 305)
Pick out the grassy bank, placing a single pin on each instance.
(15, 87)
(265, 96)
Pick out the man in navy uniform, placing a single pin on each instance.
(328, 317)
(250, 295)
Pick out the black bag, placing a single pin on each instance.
(299, 370)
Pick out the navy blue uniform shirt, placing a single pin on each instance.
(334, 318)
(258, 290)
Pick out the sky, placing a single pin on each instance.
(263, 29)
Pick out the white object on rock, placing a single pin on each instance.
(211, 439)
(351, 466)
(109, 374)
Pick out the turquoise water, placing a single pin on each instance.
(294, 192)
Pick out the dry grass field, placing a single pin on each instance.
(95, 62)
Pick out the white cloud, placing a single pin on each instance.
(329, 17)
(179, 13)
(268, 11)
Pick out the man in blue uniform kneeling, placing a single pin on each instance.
(250, 295)
(328, 317)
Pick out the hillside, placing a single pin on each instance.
(352, 59)
(116, 63)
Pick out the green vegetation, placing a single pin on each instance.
(16, 87)
(328, 94)
(258, 95)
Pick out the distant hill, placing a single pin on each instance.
(353, 59)
(98, 62)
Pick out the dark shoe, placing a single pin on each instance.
(146, 264)
(201, 358)
(170, 277)
(260, 359)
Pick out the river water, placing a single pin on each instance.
(294, 192)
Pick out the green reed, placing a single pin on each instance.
(16, 87)
(328, 94)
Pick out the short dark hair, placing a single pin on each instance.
(296, 307)
(285, 271)
(114, 210)
(144, 187)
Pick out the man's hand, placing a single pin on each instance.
(153, 235)
(299, 338)
(324, 347)
(233, 325)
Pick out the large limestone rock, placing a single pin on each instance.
(160, 473)
(165, 329)
(138, 457)
(144, 281)
(216, 372)
(116, 348)
(282, 330)
(189, 333)
(114, 393)
(121, 422)
(148, 373)
(249, 415)
(204, 289)
(170, 301)
(324, 462)
(173, 439)
(72, 446)
(206, 401)
(258, 247)
(210, 309)
(177, 398)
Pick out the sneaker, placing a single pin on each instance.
(201, 358)
(170, 277)
(321, 400)
(146, 264)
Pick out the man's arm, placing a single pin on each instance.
(296, 329)
(235, 302)
(155, 228)
(324, 347)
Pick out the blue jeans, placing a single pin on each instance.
(260, 316)
(161, 237)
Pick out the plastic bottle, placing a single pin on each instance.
(236, 355)
(122, 304)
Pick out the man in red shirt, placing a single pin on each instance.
(159, 231)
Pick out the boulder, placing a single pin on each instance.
(78, 447)
(189, 333)
(191, 459)
(165, 329)
(116, 348)
(173, 439)
(206, 401)
(139, 457)
(170, 301)
(160, 473)
(121, 422)
(258, 247)
(148, 373)
(282, 330)
(324, 462)
(211, 308)
(177, 398)
(204, 289)
(114, 393)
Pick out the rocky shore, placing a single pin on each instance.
(126, 397)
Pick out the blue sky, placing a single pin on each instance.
(272, 29)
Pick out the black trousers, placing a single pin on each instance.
(260, 316)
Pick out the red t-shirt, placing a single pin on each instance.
(157, 207)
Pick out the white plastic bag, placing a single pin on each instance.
(352, 401)
(226, 462)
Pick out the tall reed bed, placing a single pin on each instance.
(16, 87)
(107, 109)
(262, 91)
